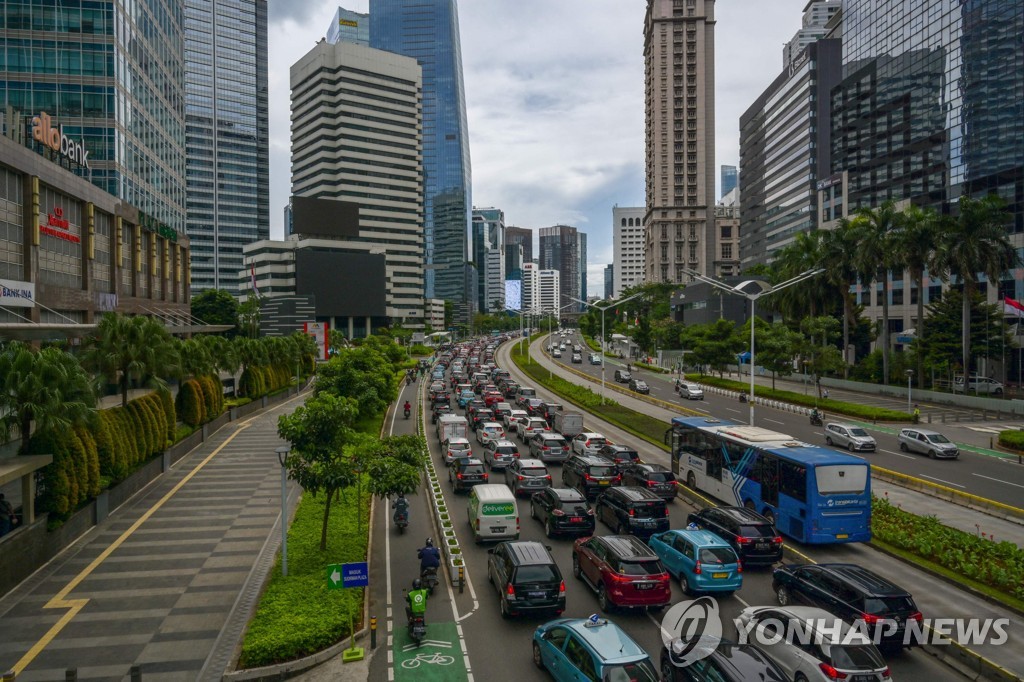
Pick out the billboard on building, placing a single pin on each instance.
(318, 330)
(514, 294)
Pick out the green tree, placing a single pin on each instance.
(915, 239)
(974, 244)
(836, 256)
(394, 464)
(195, 358)
(131, 349)
(776, 346)
(216, 306)
(875, 255)
(249, 317)
(820, 357)
(941, 349)
(713, 345)
(46, 388)
(319, 433)
(363, 374)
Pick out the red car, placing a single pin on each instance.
(493, 398)
(623, 571)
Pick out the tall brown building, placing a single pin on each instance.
(679, 56)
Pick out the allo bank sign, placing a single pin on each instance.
(54, 138)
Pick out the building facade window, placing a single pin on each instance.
(101, 270)
(60, 239)
(12, 249)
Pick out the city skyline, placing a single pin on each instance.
(551, 102)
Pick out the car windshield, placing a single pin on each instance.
(756, 531)
(936, 438)
(651, 567)
(600, 471)
(640, 671)
(854, 657)
(858, 432)
(542, 573)
(717, 555)
(883, 605)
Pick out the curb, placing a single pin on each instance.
(992, 508)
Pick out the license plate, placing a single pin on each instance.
(863, 678)
(498, 529)
(762, 545)
(537, 595)
(575, 519)
(842, 536)
(643, 586)
(603, 482)
(719, 576)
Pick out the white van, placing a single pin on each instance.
(493, 513)
(451, 426)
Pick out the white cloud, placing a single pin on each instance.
(554, 96)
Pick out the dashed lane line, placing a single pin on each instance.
(943, 481)
(997, 480)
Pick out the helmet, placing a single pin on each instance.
(429, 543)
(416, 584)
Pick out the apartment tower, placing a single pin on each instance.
(679, 50)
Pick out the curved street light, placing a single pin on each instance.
(603, 308)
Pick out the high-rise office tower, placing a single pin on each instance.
(609, 281)
(679, 56)
(560, 250)
(581, 249)
(785, 139)
(628, 247)
(349, 26)
(338, 149)
(729, 179)
(523, 238)
(817, 14)
(428, 31)
(549, 293)
(103, 74)
(227, 136)
(487, 250)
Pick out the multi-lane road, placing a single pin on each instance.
(978, 471)
(468, 638)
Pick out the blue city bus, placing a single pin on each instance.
(813, 494)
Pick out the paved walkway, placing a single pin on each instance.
(952, 515)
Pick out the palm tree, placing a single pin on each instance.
(975, 244)
(196, 358)
(801, 255)
(47, 388)
(874, 257)
(127, 349)
(836, 252)
(915, 240)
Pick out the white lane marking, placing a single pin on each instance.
(898, 454)
(742, 601)
(732, 410)
(943, 481)
(773, 421)
(997, 480)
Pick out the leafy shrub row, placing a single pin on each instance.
(826, 404)
(1012, 438)
(997, 564)
(200, 400)
(259, 380)
(110, 447)
(420, 349)
(652, 368)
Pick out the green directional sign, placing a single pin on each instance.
(334, 573)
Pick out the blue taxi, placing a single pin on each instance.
(592, 648)
(700, 560)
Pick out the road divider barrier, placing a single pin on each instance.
(448, 540)
(991, 507)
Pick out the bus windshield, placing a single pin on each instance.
(842, 479)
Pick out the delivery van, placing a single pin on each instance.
(493, 513)
(569, 424)
(451, 426)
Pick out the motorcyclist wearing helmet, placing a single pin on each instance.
(401, 506)
(417, 601)
(429, 556)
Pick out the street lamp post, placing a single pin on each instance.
(550, 315)
(603, 308)
(761, 289)
(282, 457)
(910, 375)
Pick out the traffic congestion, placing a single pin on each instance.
(579, 543)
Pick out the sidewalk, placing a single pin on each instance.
(952, 515)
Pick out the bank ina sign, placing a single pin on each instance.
(54, 138)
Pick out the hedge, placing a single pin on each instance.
(73, 477)
(652, 368)
(826, 404)
(190, 403)
(1012, 438)
(167, 403)
(594, 345)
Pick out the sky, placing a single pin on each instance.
(554, 96)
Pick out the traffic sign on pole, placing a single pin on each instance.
(348, 575)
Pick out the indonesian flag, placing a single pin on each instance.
(1012, 307)
(252, 276)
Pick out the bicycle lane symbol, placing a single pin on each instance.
(438, 657)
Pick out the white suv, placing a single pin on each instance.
(980, 385)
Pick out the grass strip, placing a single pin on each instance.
(827, 404)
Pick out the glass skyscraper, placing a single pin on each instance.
(111, 74)
(428, 30)
(350, 27)
(228, 165)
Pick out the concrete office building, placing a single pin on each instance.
(730, 177)
(549, 293)
(785, 140)
(522, 238)
(628, 247)
(928, 111)
(349, 26)
(429, 33)
(560, 249)
(100, 76)
(227, 164)
(727, 241)
(356, 123)
(817, 14)
(528, 294)
(487, 250)
(679, 63)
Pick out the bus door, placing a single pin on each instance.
(769, 480)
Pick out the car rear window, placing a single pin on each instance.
(853, 657)
(661, 476)
(651, 567)
(473, 469)
(640, 671)
(599, 470)
(649, 510)
(756, 531)
(573, 506)
(506, 450)
(541, 573)
(533, 471)
(717, 555)
(458, 446)
(596, 442)
(527, 392)
(885, 605)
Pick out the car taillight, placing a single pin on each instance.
(510, 591)
(632, 512)
(777, 539)
(561, 593)
(885, 674)
(696, 568)
(478, 524)
(548, 477)
(872, 619)
(458, 476)
(558, 512)
(545, 448)
(831, 673)
(517, 525)
(739, 566)
(519, 477)
(651, 484)
(485, 476)
(667, 512)
(617, 479)
(588, 477)
(740, 540)
(916, 615)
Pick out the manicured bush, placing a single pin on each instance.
(105, 445)
(137, 432)
(1012, 438)
(652, 368)
(190, 403)
(209, 396)
(170, 415)
(92, 461)
(154, 434)
(160, 417)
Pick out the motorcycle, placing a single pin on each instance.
(401, 520)
(407, 412)
(743, 397)
(428, 576)
(816, 420)
(417, 625)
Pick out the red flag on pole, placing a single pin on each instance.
(1017, 305)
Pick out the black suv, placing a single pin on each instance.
(562, 510)
(466, 472)
(589, 474)
(632, 510)
(619, 455)
(438, 410)
(656, 478)
(728, 662)
(526, 577)
(850, 592)
(752, 536)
